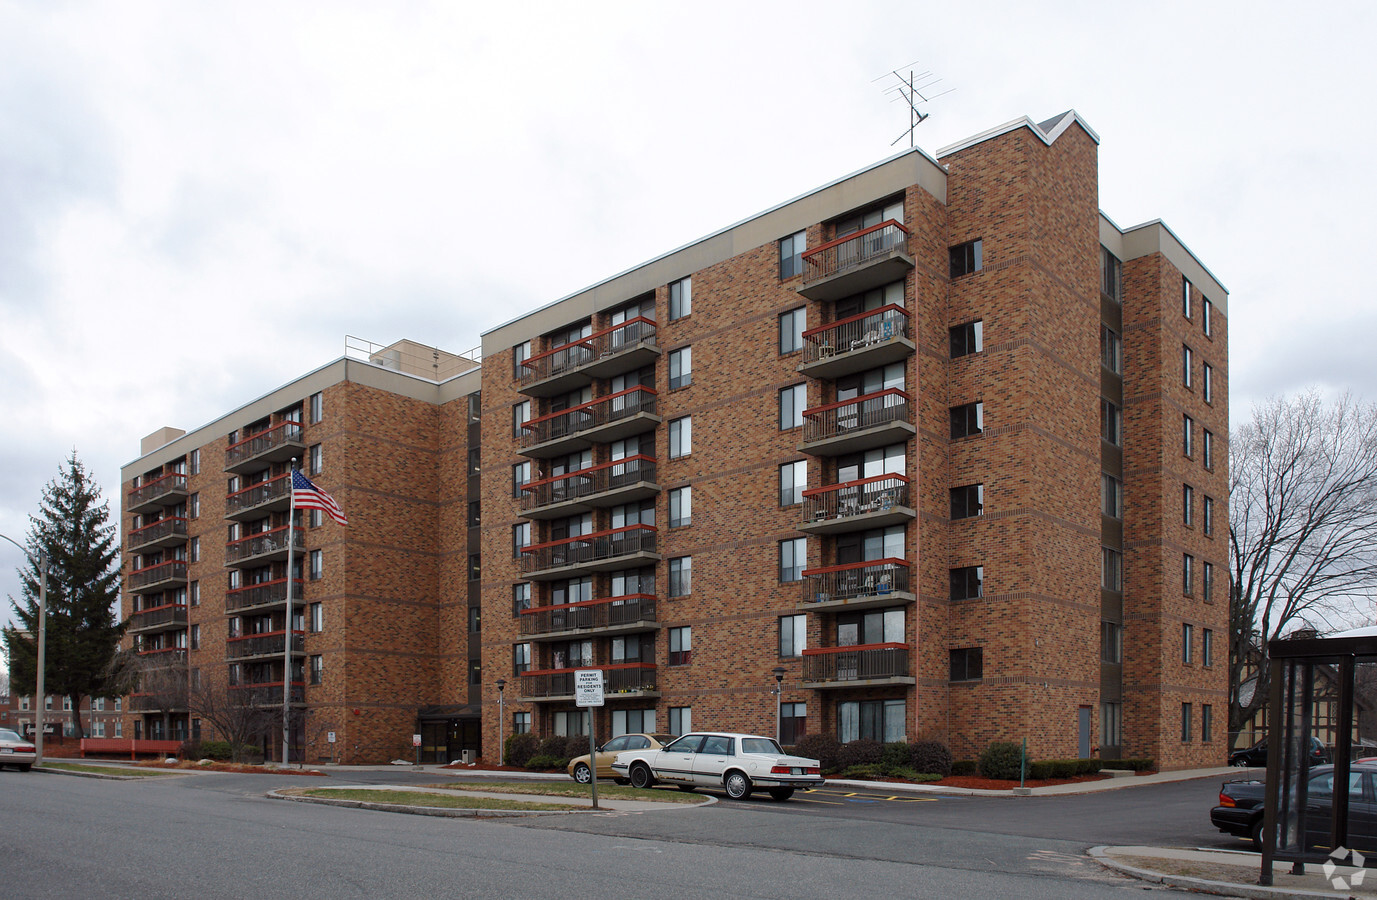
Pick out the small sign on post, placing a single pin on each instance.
(416, 742)
(588, 693)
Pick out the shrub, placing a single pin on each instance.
(965, 767)
(821, 747)
(931, 756)
(895, 755)
(865, 770)
(1002, 759)
(1135, 765)
(520, 748)
(543, 761)
(861, 752)
(576, 745)
(214, 750)
(1088, 767)
(553, 746)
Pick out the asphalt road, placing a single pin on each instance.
(209, 836)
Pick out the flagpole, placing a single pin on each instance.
(287, 630)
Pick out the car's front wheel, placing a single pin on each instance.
(738, 785)
(1256, 834)
(781, 794)
(1240, 763)
(583, 774)
(641, 777)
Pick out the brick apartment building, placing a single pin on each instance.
(938, 440)
(381, 608)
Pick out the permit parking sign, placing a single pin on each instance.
(588, 687)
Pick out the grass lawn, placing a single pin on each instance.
(421, 798)
(102, 770)
(570, 789)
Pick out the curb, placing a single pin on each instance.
(101, 775)
(1202, 885)
(428, 810)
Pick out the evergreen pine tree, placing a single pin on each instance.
(83, 628)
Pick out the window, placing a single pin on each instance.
(793, 636)
(315, 460)
(1111, 422)
(680, 298)
(967, 339)
(521, 414)
(193, 550)
(681, 576)
(195, 637)
(792, 402)
(1187, 436)
(1206, 722)
(475, 406)
(475, 567)
(967, 501)
(791, 326)
(1111, 569)
(680, 646)
(196, 461)
(475, 620)
(1111, 496)
(965, 258)
(1207, 516)
(520, 353)
(877, 720)
(475, 673)
(967, 419)
(1111, 280)
(680, 507)
(632, 721)
(521, 658)
(194, 593)
(1185, 721)
(67, 704)
(967, 582)
(1185, 296)
(680, 368)
(680, 437)
(315, 517)
(1111, 350)
(317, 568)
(475, 461)
(1207, 449)
(316, 669)
(1187, 505)
(317, 406)
(1187, 644)
(317, 617)
(1111, 642)
(1111, 724)
(521, 597)
(1207, 647)
(680, 719)
(1207, 383)
(793, 556)
(1206, 309)
(521, 723)
(1207, 583)
(475, 513)
(521, 538)
(193, 506)
(1186, 365)
(521, 475)
(967, 664)
(1187, 574)
(791, 255)
(793, 479)
(793, 722)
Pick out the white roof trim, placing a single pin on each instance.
(1066, 119)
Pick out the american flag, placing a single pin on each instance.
(307, 496)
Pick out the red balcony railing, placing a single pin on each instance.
(876, 577)
(266, 693)
(271, 643)
(857, 414)
(854, 498)
(279, 437)
(576, 354)
(264, 543)
(172, 570)
(266, 593)
(855, 332)
(856, 663)
(164, 656)
(257, 494)
(173, 698)
(588, 416)
(156, 532)
(622, 678)
(609, 612)
(173, 614)
(854, 250)
(158, 488)
(588, 482)
(589, 548)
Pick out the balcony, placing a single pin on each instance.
(622, 348)
(172, 700)
(609, 484)
(863, 665)
(861, 423)
(163, 656)
(624, 681)
(258, 451)
(856, 263)
(169, 490)
(263, 547)
(271, 644)
(267, 693)
(857, 343)
(609, 616)
(159, 618)
(260, 498)
(266, 595)
(157, 577)
(854, 505)
(605, 551)
(876, 582)
(603, 420)
(163, 533)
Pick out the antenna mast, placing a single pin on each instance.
(912, 91)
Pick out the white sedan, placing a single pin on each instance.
(737, 763)
(15, 751)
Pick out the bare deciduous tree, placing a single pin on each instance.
(240, 715)
(1302, 530)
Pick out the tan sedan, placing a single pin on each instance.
(578, 766)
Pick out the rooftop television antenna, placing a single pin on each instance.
(914, 90)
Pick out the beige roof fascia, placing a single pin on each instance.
(1156, 237)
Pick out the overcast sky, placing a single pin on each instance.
(199, 201)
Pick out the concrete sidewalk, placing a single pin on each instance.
(1232, 873)
(1081, 787)
(585, 803)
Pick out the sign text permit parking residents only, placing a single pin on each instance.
(588, 687)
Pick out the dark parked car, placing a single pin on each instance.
(1256, 755)
(1240, 808)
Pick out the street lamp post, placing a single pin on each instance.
(779, 693)
(501, 683)
(42, 563)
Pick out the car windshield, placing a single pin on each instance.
(759, 745)
(7, 735)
